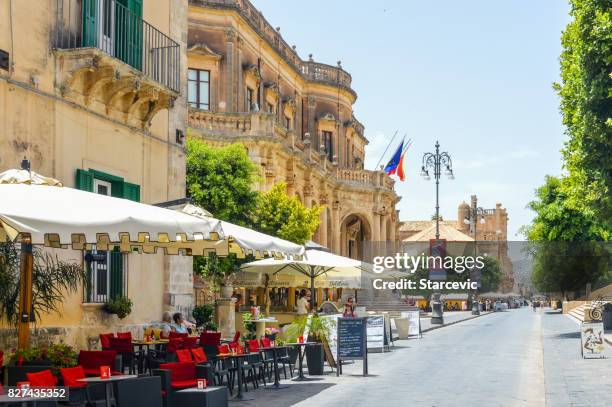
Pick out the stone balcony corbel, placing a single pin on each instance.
(110, 87)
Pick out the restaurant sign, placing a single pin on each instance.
(352, 342)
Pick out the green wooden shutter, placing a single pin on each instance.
(89, 12)
(128, 32)
(116, 274)
(84, 180)
(131, 191)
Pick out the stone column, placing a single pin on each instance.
(314, 137)
(240, 91)
(376, 227)
(229, 75)
(323, 228)
(225, 315)
(291, 299)
(383, 228)
(335, 243)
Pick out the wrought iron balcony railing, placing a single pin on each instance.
(120, 32)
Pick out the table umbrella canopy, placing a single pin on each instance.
(315, 263)
(257, 243)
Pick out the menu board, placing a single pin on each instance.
(414, 322)
(376, 331)
(350, 338)
(592, 340)
(351, 342)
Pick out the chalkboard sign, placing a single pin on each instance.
(352, 343)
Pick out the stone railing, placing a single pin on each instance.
(233, 122)
(317, 72)
(365, 177)
(311, 70)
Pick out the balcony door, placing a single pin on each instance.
(114, 26)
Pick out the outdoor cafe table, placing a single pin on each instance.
(23, 401)
(238, 358)
(140, 342)
(108, 383)
(276, 385)
(301, 347)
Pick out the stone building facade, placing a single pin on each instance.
(295, 117)
(101, 116)
(489, 229)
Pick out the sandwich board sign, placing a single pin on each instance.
(352, 342)
(592, 344)
(414, 322)
(376, 332)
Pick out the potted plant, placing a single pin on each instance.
(221, 270)
(250, 326)
(203, 315)
(55, 357)
(318, 331)
(121, 306)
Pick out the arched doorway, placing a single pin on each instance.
(355, 230)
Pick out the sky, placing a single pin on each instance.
(476, 75)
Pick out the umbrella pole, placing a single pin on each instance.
(25, 291)
(313, 294)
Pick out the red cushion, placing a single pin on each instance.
(42, 379)
(210, 338)
(198, 355)
(71, 376)
(184, 355)
(178, 335)
(105, 340)
(121, 345)
(190, 342)
(265, 342)
(253, 345)
(93, 359)
(236, 336)
(183, 384)
(174, 344)
(223, 349)
(124, 335)
(180, 370)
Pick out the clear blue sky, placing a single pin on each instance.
(475, 75)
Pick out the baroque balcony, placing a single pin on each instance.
(111, 60)
(258, 125)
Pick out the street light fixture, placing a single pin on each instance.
(477, 214)
(436, 161)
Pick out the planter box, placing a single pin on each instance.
(314, 359)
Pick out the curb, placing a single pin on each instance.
(456, 322)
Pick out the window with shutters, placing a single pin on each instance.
(106, 270)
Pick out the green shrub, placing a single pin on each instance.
(121, 306)
(203, 315)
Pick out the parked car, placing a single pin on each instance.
(500, 306)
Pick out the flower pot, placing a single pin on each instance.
(314, 359)
(227, 290)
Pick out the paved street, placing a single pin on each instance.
(500, 359)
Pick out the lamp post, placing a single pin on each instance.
(435, 161)
(477, 214)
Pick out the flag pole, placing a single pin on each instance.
(385, 152)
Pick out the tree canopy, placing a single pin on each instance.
(586, 105)
(220, 180)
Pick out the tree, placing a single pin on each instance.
(52, 279)
(565, 241)
(286, 217)
(490, 275)
(586, 105)
(220, 180)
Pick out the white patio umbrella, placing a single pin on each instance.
(315, 263)
(256, 243)
(37, 210)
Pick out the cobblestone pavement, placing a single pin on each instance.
(492, 360)
(571, 380)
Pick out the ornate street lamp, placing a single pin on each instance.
(477, 214)
(436, 162)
